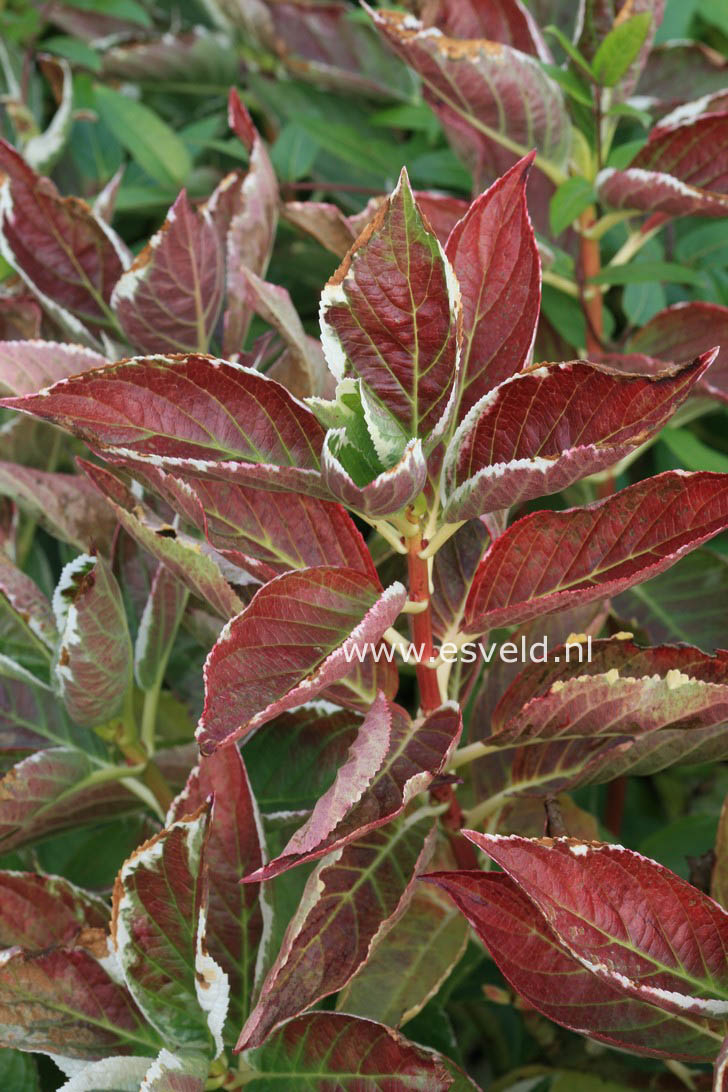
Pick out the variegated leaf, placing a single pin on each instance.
(666, 947)
(453, 569)
(55, 790)
(234, 914)
(251, 225)
(118, 1073)
(26, 366)
(494, 101)
(66, 505)
(170, 298)
(326, 1050)
(682, 170)
(27, 625)
(391, 316)
(189, 412)
(62, 1001)
(391, 760)
(506, 21)
(538, 966)
(496, 261)
(159, 933)
(267, 532)
(682, 332)
(550, 560)
(38, 911)
(411, 962)
(93, 663)
(66, 256)
(544, 429)
(176, 1073)
(351, 897)
(182, 555)
(389, 491)
(158, 627)
(296, 638)
(623, 691)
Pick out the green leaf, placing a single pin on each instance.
(128, 10)
(416, 117)
(692, 452)
(569, 201)
(570, 49)
(149, 140)
(622, 156)
(565, 315)
(704, 244)
(715, 12)
(572, 85)
(353, 146)
(624, 110)
(642, 272)
(18, 1072)
(686, 603)
(63, 45)
(293, 153)
(620, 48)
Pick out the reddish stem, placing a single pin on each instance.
(421, 626)
(591, 264)
(614, 810)
(430, 696)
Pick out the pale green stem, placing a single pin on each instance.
(470, 753)
(440, 538)
(563, 284)
(149, 716)
(388, 533)
(600, 228)
(633, 245)
(27, 535)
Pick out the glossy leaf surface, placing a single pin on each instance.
(350, 897)
(391, 760)
(550, 560)
(288, 645)
(545, 429)
(391, 316)
(170, 297)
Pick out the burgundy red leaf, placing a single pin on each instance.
(188, 412)
(550, 560)
(296, 638)
(665, 947)
(68, 257)
(234, 914)
(391, 316)
(494, 254)
(349, 899)
(538, 966)
(170, 297)
(324, 1050)
(547, 428)
(390, 761)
